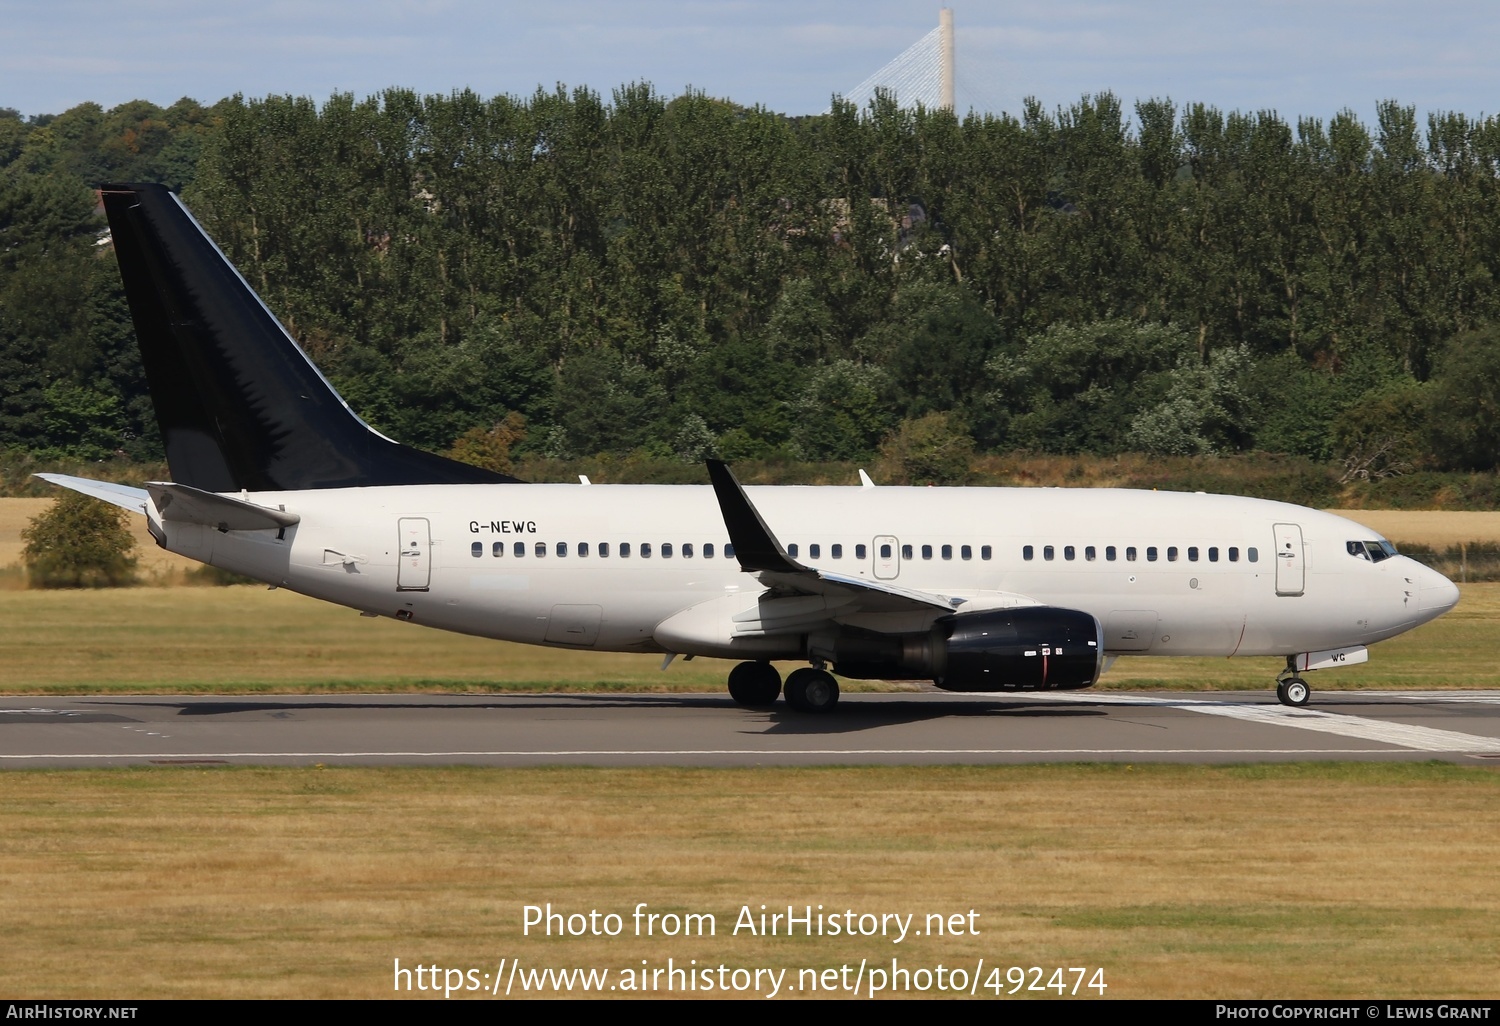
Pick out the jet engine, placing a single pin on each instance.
(1030, 647)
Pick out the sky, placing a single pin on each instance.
(1298, 57)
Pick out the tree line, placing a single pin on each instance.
(567, 275)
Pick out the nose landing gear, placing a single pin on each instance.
(1291, 689)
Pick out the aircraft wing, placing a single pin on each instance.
(760, 553)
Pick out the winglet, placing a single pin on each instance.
(864, 479)
(754, 545)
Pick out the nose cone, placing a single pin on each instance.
(1436, 594)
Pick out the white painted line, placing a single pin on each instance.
(1422, 739)
(762, 752)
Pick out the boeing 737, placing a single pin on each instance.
(975, 589)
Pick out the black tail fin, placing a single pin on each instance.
(239, 403)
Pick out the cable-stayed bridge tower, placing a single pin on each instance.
(923, 73)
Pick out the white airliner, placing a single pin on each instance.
(976, 589)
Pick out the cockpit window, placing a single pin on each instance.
(1374, 551)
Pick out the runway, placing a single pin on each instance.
(710, 730)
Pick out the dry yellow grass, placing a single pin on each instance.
(248, 638)
(156, 564)
(1436, 528)
(1354, 881)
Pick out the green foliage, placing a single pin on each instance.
(614, 266)
(1078, 388)
(79, 542)
(1383, 434)
(1465, 402)
(842, 412)
(490, 447)
(931, 450)
(1205, 409)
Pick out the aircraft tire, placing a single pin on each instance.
(810, 690)
(1293, 692)
(755, 685)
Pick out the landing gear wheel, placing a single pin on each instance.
(754, 685)
(812, 691)
(1293, 692)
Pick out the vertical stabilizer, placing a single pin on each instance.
(239, 404)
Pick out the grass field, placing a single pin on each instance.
(1290, 881)
(1354, 881)
(248, 639)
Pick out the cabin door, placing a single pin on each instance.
(414, 570)
(1291, 572)
(887, 557)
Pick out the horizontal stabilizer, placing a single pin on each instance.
(189, 505)
(133, 499)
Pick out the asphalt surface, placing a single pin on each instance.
(710, 730)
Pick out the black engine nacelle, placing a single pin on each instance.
(1032, 647)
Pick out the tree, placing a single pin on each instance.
(930, 450)
(79, 542)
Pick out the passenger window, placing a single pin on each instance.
(1069, 552)
(947, 551)
(519, 549)
(477, 549)
(791, 550)
(541, 549)
(985, 552)
(926, 551)
(687, 550)
(1171, 553)
(859, 552)
(814, 551)
(906, 552)
(1027, 552)
(604, 550)
(666, 550)
(836, 550)
(1234, 554)
(562, 549)
(728, 550)
(1213, 553)
(885, 552)
(1192, 553)
(498, 549)
(624, 550)
(1048, 552)
(965, 552)
(1130, 553)
(1109, 553)
(1090, 553)
(708, 550)
(583, 548)
(1151, 553)
(645, 550)
(1252, 555)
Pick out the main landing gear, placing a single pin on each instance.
(1291, 689)
(755, 685)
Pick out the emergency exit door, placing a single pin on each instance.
(414, 569)
(1291, 572)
